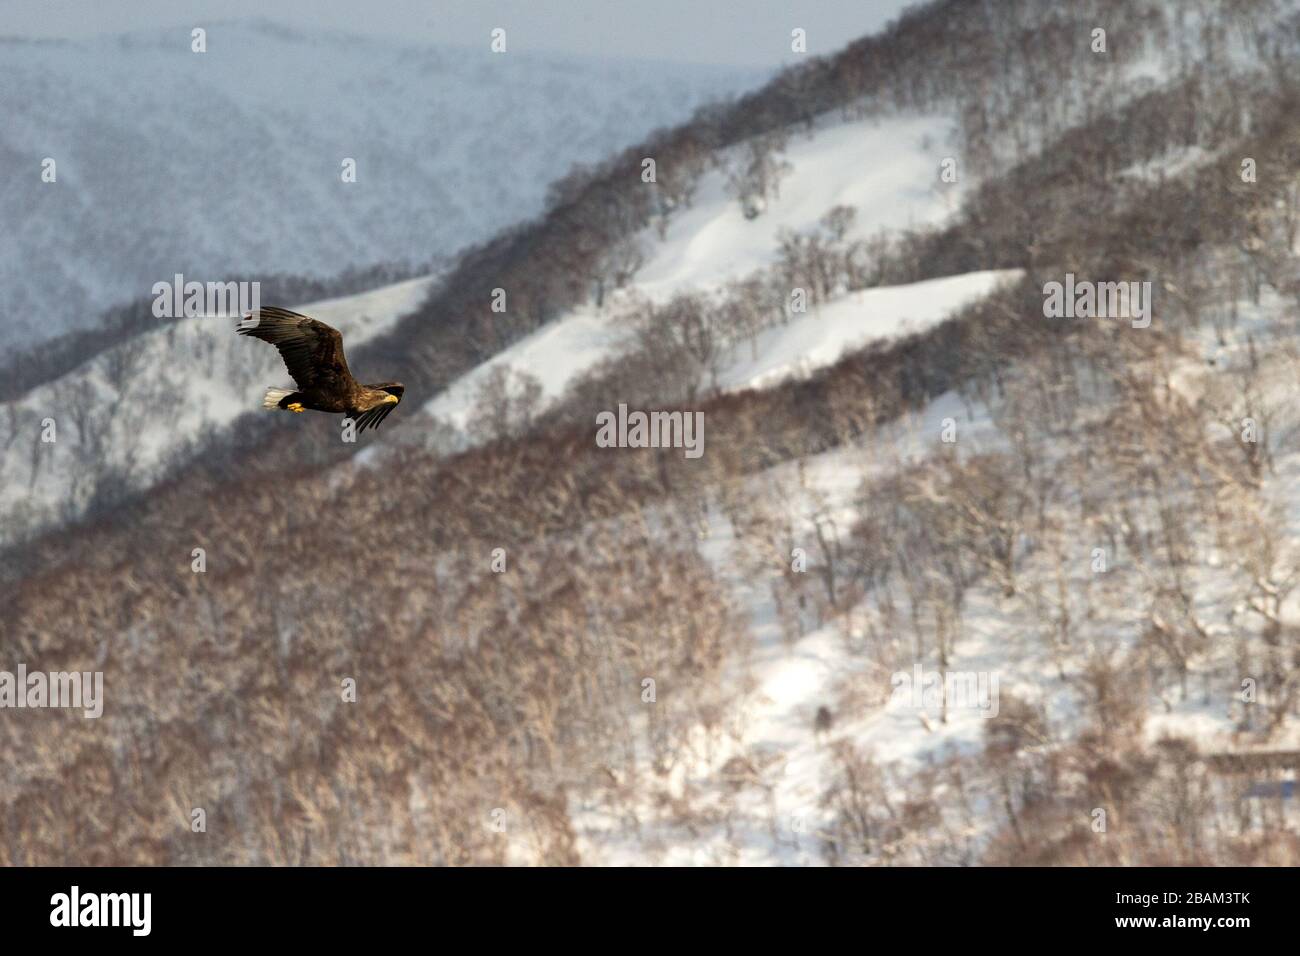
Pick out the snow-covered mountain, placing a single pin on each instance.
(230, 161)
(714, 242)
(117, 429)
(1084, 530)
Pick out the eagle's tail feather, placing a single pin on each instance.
(274, 396)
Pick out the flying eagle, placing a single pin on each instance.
(313, 354)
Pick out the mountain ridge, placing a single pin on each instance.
(265, 122)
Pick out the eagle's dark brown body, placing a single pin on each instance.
(313, 354)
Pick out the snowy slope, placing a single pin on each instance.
(780, 816)
(229, 161)
(214, 384)
(824, 334)
(778, 823)
(559, 353)
(555, 355)
(885, 168)
(131, 410)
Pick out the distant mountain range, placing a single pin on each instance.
(231, 161)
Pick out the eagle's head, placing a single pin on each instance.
(394, 392)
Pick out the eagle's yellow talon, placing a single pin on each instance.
(295, 407)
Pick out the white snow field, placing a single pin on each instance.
(885, 168)
(559, 353)
(825, 334)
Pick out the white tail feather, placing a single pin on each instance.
(274, 395)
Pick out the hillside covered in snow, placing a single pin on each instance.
(149, 404)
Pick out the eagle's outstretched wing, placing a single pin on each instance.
(312, 351)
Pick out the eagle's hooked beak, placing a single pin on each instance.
(391, 400)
